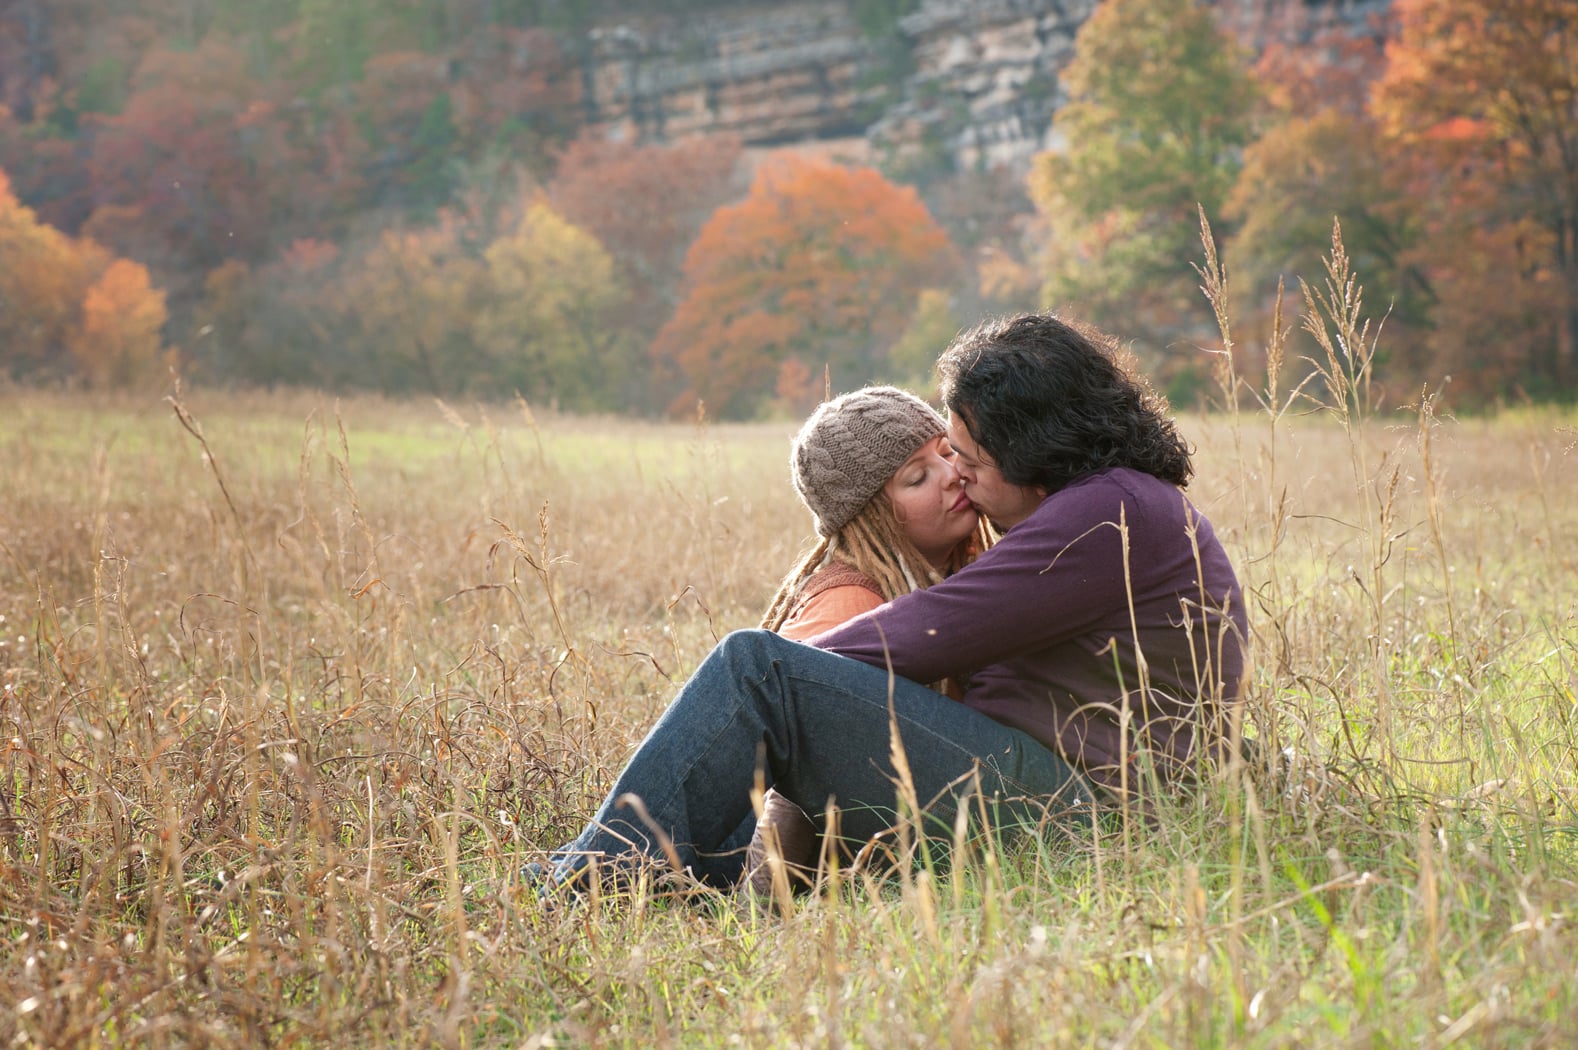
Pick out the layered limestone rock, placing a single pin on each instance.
(769, 74)
(964, 83)
(985, 84)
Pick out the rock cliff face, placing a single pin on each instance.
(972, 82)
(986, 79)
(772, 75)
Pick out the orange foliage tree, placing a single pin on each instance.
(118, 341)
(66, 305)
(40, 284)
(819, 262)
(645, 204)
(1481, 97)
(1322, 158)
(43, 276)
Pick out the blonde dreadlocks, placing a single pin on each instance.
(873, 543)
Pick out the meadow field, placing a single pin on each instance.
(293, 687)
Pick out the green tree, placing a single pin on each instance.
(932, 327)
(1159, 110)
(544, 329)
(332, 40)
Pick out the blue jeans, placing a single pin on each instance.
(819, 724)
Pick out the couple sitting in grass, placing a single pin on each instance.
(1091, 655)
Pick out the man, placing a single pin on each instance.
(1100, 640)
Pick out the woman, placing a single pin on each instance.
(876, 471)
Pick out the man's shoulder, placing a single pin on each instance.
(1114, 496)
(1104, 491)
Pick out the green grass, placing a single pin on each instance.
(270, 761)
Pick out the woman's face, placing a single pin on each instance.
(929, 502)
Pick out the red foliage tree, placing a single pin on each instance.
(645, 204)
(196, 155)
(1481, 98)
(521, 91)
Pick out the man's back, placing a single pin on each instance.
(1043, 626)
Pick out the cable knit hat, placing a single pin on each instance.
(852, 445)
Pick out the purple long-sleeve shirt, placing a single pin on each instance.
(1043, 631)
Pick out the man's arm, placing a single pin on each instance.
(1050, 578)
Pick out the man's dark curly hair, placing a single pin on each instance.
(1051, 401)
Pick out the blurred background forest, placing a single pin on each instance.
(639, 207)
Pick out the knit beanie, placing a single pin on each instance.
(852, 445)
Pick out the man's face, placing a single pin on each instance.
(1002, 502)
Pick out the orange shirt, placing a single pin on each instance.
(827, 609)
(839, 593)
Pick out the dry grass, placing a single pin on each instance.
(291, 691)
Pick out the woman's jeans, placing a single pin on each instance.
(821, 727)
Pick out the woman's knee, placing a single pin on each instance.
(754, 650)
(753, 639)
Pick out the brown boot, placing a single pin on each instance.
(783, 832)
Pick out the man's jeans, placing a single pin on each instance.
(821, 725)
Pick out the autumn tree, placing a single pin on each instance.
(405, 111)
(646, 203)
(819, 262)
(1322, 158)
(544, 328)
(1159, 110)
(520, 92)
(192, 159)
(220, 320)
(1481, 96)
(43, 275)
(119, 340)
(46, 170)
(283, 322)
(411, 298)
(68, 307)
